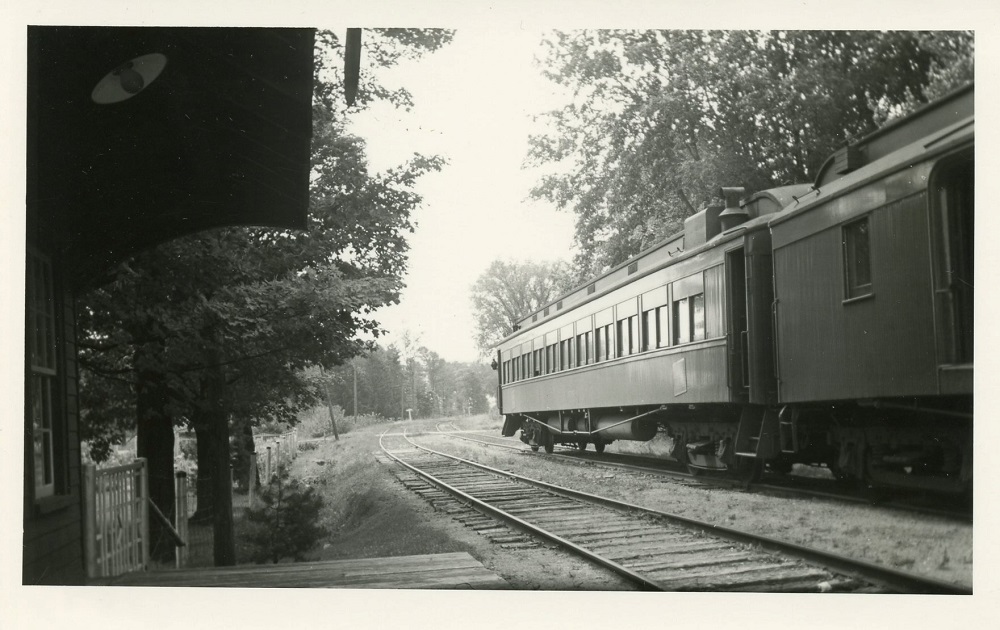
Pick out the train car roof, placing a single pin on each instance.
(942, 141)
(776, 198)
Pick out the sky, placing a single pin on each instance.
(474, 101)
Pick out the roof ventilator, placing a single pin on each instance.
(734, 214)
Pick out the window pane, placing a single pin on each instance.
(633, 337)
(682, 322)
(698, 316)
(661, 327)
(620, 341)
(648, 330)
(857, 259)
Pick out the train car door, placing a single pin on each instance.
(952, 207)
(760, 321)
(736, 300)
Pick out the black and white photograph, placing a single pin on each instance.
(481, 315)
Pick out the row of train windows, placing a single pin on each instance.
(629, 335)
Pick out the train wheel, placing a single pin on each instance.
(599, 446)
(581, 445)
(548, 442)
(534, 447)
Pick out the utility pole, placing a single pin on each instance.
(329, 403)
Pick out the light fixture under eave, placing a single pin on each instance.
(128, 79)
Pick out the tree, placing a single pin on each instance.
(286, 523)
(659, 120)
(219, 324)
(507, 291)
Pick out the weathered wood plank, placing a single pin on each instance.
(448, 570)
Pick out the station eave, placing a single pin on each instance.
(221, 137)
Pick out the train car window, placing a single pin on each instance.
(633, 334)
(583, 348)
(621, 341)
(662, 338)
(536, 359)
(857, 259)
(648, 329)
(550, 358)
(689, 319)
(682, 322)
(697, 317)
(599, 345)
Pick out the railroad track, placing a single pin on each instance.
(654, 550)
(796, 487)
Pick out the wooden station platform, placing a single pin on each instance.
(456, 570)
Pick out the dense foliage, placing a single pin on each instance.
(507, 291)
(262, 303)
(659, 120)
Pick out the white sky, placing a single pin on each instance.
(473, 103)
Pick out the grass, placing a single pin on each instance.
(365, 509)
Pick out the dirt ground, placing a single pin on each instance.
(369, 513)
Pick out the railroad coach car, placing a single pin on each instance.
(873, 317)
(818, 323)
(663, 340)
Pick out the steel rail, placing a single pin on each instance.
(890, 578)
(571, 455)
(521, 523)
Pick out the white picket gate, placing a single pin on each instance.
(116, 523)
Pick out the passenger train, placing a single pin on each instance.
(827, 324)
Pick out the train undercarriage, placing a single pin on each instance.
(910, 444)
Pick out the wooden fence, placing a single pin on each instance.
(116, 523)
(272, 453)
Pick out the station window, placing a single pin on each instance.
(857, 260)
(689, 319)
(41, 340)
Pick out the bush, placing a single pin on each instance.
(286, 524)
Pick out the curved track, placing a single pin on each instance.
(652, 549)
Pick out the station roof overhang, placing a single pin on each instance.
(219, 137)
